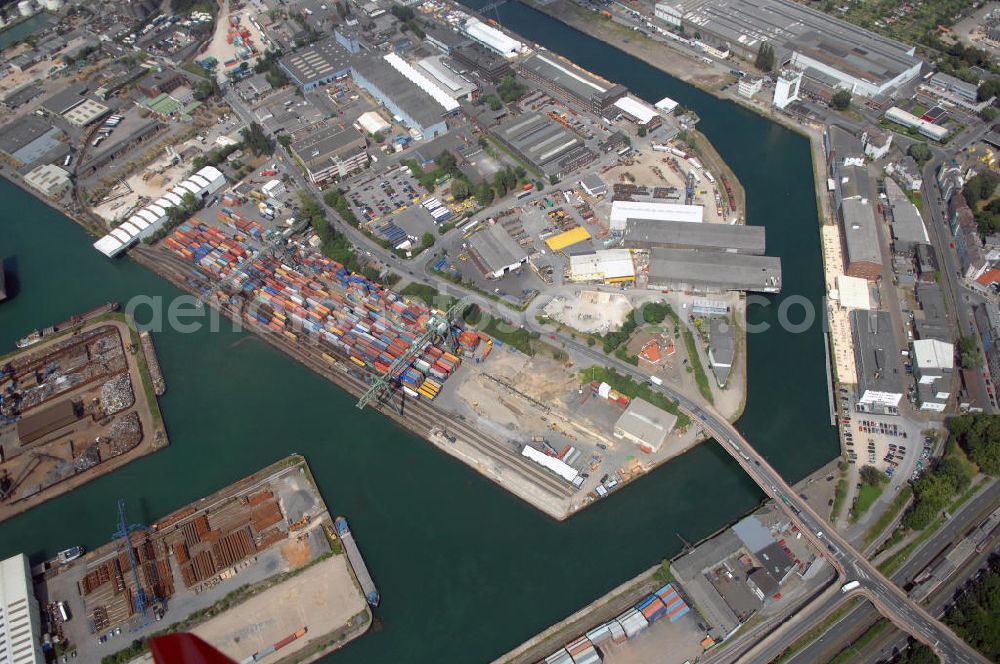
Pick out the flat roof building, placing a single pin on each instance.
(931, 321)
(66, 99)
(623, 211)
(85, 113)
(721, 348)
(485, 62)
(933, 363)
(496, 252)
(645, 425)
(908, 228)
(713, 271)
(20, 619)
(328, 151)
(607, 265)
(412, 103)
(856, 212)
(880, 378)
(569, 82)
(650, 233)
(593, 185)
(49, 179)
(318, 64)
(492, 38)
(545, 144)
(28, 139)
(823, 46)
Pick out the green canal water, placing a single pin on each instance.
(466, 570)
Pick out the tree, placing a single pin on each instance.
(988, 114)
(427, 240)
(285, 139)
(979, 436)
(988, 89)
(484, 194)
(765, 57)
(980, 187)
(920, 152)
(871, 476)
(378, 137)
(446, 160)
(494, 102)
(256, 140)
(968, 353)
(642, 130)
(841, 100)
(553, 180)
(460, 189)
(510, 90)
(205, 88)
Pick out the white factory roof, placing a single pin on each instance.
(666, 104)
(493, 38)
(640, 110)
(19, 643)
(603, 264)
(557, 466)
(422, 82)
(147, 220)
(372, 122)
(621, 211)
(853, 292)
(933, 354)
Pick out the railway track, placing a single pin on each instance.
(421, 417)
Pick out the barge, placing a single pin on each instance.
(357, 562)
(37, 335)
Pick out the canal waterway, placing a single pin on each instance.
(466, 570)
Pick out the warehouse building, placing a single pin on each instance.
(49, 179)
(908, 228)
(650, 233)
(825, 48)
(39, 424)
(442, 72)
(28, 139)
(623, 211)
(66, 99)
(86, 113)
(645, 425)
(318, 64)
(328, 151)
(593, 185)
(20, 620)
(721, 348)
(610, 266)
(713, 271)
(495, 252)
(880, 377)
(856, 212)
(570, 83)
(637, 112)
(483, 61)
(852, 293)
(151, 218)
(931, 322)
(120, 145)
(924, 127)
(545, 144)
(410, 96)
(444, 38)
(567, 239)
(933, 363)
(492, 38)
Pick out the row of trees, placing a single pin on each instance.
(975, 616)
(979, 436)
(256, 140)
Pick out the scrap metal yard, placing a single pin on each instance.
(73, 407)
(238, 547)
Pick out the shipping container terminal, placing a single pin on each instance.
(245, 539)
(347, 328)
(73, 405)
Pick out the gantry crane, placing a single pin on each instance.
(437, 326)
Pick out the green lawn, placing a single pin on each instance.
(519, 338)
(865, 499)
(898, 503)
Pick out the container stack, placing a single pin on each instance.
(675, 606)
(343, 312)
(438, 210)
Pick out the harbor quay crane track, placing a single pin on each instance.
(419, 416)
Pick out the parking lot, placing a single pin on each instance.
(892, 444)
(385, 195)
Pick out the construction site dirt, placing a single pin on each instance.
(74, 406)
(266, 545)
